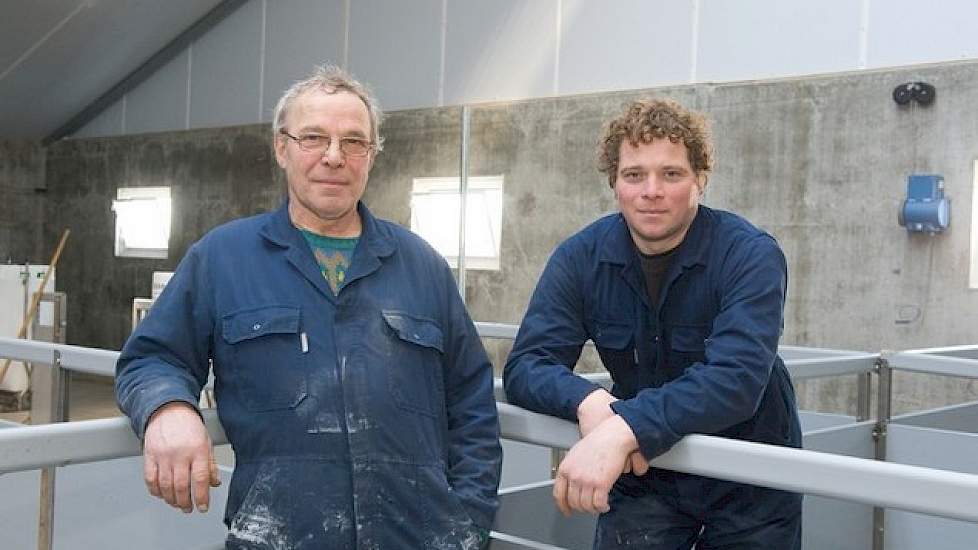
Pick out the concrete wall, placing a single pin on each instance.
(22, 203)
(214, 175)
(820, 162)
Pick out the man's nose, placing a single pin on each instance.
(652, 186)
(333, 155)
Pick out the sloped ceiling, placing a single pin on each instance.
(59, 56)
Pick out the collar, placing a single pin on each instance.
(377, 239)
(618, 248)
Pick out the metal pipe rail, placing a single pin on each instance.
(961, 361)
(102, 362)
(911, 488)
(74, 358)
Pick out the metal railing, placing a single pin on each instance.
(912, 488)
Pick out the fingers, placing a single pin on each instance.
(201, 475)
(181, 487)
(579, 497)
(165, 479)
(639, 465)
(599, 502)
(150, 476)
(215, 473)
(574, 497)
(560, 495)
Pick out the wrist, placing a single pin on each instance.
(622, 433)
(596, 403)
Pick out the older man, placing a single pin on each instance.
(348, 375)
(684, 304)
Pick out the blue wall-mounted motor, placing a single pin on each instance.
(925, 209)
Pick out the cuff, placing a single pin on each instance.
(651, 440)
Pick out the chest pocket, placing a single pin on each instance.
(687, 345)
(268, 366)
(616, 346)
(414, 377)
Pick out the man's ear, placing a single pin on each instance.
(701, 180)
(279, 145)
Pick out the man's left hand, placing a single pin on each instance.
(591, 467)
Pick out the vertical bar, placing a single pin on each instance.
(864, 387)
(556, 455)
(883, 412)
(58, 409)
(463, 190)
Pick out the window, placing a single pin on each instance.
(435, 207)
(142, 222)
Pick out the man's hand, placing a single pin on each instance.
(591, 467)
(595, 409)
(177, 457)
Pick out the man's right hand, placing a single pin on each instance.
(595, 409)
(178, 458)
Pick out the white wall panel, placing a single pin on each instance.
(160, 102)
(748, 39)
(518, 49)
(395, 46)
(225, 71)
(500, 50)
(107, 123)
(624, 44)
(902, 32)
(299, 34)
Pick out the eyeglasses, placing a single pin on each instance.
(319, 144)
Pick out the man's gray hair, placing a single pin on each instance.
(330, 79)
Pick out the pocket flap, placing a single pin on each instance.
(257, 322)
(612, 335)
(688, 338)
(414, 329)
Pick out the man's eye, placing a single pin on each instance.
(632, 176)
(313, 139)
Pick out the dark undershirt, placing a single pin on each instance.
(654, 267)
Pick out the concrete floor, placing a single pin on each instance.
(89, 397)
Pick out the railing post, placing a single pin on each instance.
(556, 456)
(57, 413)
(864, 385)
(883, 413)
(463, 195)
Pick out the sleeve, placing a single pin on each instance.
(740, 353)
(539, 371)
(166, 357)
(475, 454)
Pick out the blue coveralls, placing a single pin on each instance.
(363, 420)
(702, 360)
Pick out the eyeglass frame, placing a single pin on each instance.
(370, 146)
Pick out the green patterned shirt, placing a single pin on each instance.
(334, 255)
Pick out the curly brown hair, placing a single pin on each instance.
(647, 119)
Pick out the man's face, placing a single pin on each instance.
(324, 187)
(657, 192)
